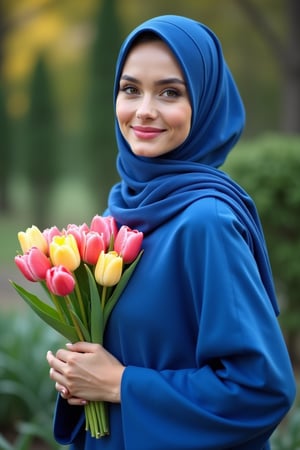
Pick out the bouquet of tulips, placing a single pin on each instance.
(84, 270)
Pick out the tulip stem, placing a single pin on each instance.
(80, 301)
(74, 320)
(103, 297)
(58, 307)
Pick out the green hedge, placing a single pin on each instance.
(268, 167)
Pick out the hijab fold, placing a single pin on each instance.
(153, 190)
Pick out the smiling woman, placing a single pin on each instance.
(153, 107)
(193, 356)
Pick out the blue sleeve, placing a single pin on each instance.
(242, 383)
(69, 423)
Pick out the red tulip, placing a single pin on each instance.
(92, 245)
(106, 226)
(128, 243)
(60, 281)
(33, 264)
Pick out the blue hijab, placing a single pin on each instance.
(153, 190)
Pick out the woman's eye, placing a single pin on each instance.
(170, 93)
(130, 90)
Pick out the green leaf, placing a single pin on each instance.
(85, 333)
(74, 302)
(83, 285)
(82, 280)
(120, 288)
(46, 313)
(97, 329)
(64, 308)
(17, 389)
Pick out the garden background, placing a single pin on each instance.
(57, 158)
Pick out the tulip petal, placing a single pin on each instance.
(21, 263)
(32, 237)
(60, 281)
(38, 263)
(105, 225)
(128, 243)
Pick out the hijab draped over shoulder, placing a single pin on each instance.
(153, 190)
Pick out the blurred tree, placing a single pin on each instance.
(286, 53)
(9, 22)
(5, 152)
(268, 168)
(41, 162)
(5, 146)
(13, 21)
(101, 153)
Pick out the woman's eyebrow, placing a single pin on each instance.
(172, 80)
(129, 78)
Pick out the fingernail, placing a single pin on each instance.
(69, 344)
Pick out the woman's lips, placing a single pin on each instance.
(146, 132)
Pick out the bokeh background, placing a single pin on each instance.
(57, 148)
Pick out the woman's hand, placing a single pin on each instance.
(86, 372)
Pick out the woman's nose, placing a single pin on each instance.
(146, 109)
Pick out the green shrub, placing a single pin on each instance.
(268, 168)
(287, 436)
(27, 394)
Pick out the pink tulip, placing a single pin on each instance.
(78, 232)
(33, 264)
(92, 245)
(60, 281)
(128, 243)
(49, 233)
(106, 226)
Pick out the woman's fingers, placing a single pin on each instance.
(87, 371)
(62, 390)
(54, 362)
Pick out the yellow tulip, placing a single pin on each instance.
(32, 237)
(64, 252)
(108, 269)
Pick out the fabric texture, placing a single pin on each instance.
(153, 190)
(196, 327)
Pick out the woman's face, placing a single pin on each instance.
(153, 107)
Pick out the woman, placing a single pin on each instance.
(194, 357)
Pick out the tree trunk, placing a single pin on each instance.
(287, 55)
(290, 67)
